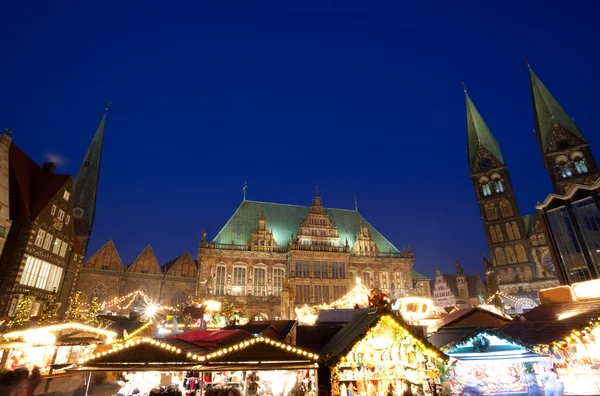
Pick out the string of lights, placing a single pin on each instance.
(201, 358)
(137, 331)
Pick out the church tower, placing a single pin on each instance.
(567, 155)
(85, 187)
(461, 284)
(503, 224)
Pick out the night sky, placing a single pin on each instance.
(355, 97)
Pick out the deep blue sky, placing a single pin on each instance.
(358, 97)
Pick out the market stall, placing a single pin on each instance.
(491, 363)
(565, 326)
(190, 366)
(376, 353)
(51, 348)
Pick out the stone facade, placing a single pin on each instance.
(316, 263)
(458, 290)
(104, 276)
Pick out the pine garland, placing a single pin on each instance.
(22, 314)
(484, 330)
(50, 310)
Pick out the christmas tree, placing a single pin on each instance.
(227, 309)
(73, 314)
(90, 318)
(22, 314)
(50, 311)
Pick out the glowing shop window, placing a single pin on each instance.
(40, 274)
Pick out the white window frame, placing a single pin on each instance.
(61, 214)
(53, 210)
(66, 195)
(238, 283)
(39, 238)
(48, 241)
(40, 274)
(63, 249)
(220, 288)
(259, 289)
(278, 279)
(56, 246)
(67, 219)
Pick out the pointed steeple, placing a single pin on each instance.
(85, 186)
(547, 112)
(478, 134)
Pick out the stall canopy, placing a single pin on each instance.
(547, 323)
(357, 328)
(489, 345)
(462, 323)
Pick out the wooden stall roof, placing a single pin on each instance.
(547, 323)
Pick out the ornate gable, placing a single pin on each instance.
(317, 229)
(146, 263)
(182, 266)
(365, 245)
(261, 238)
(106, 258)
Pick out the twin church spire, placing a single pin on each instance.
(565, 150)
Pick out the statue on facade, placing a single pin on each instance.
(203, 239)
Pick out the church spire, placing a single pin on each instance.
(85, 186)
(548, 112)
(478, 134)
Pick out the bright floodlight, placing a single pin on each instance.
(151, 310)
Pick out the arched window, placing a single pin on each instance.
(100, 292)
(506, 208)
(509, 232)
(500, 257)
(220, 278)
(527, 274)
(515, 229)
(499, 186)
(178, 299)
(486, 190)
(278, 279)
(238, 287)
(491, 211)
(564, 168)
(499, 234)
(511, 257)
(493, 234)
(521, 255)
(548, 263)
(260, 281)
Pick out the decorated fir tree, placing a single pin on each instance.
(227, 309)
(90, 317)
(22, 314)
(50, 310)
(73, 314)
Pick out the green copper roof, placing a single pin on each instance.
(417, 276)
(283, 220)
(547, 111)
(479, 134)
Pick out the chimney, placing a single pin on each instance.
(49, 167)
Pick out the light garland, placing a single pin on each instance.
(574, 336)
(515, 300)
(203, 358)
(32, 334)
(137, 331)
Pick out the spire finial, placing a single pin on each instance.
(108, 104)
(355, 203)
(527, 62)
(464, 86)
(317, 191)
(244, 189)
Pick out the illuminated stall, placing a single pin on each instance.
(52, 348)
(491, 363)
(241, 365)
(376, 353)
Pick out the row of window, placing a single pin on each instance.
(45, 241)
(320, 269)
(321, 294)
(495, 186)
(61, 214)
(239, 286)
(505, 208)
(508, 255)
(512, 232)
(40, 274)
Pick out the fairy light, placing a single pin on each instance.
(32, 334)
(219, 353)
(138, 331)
